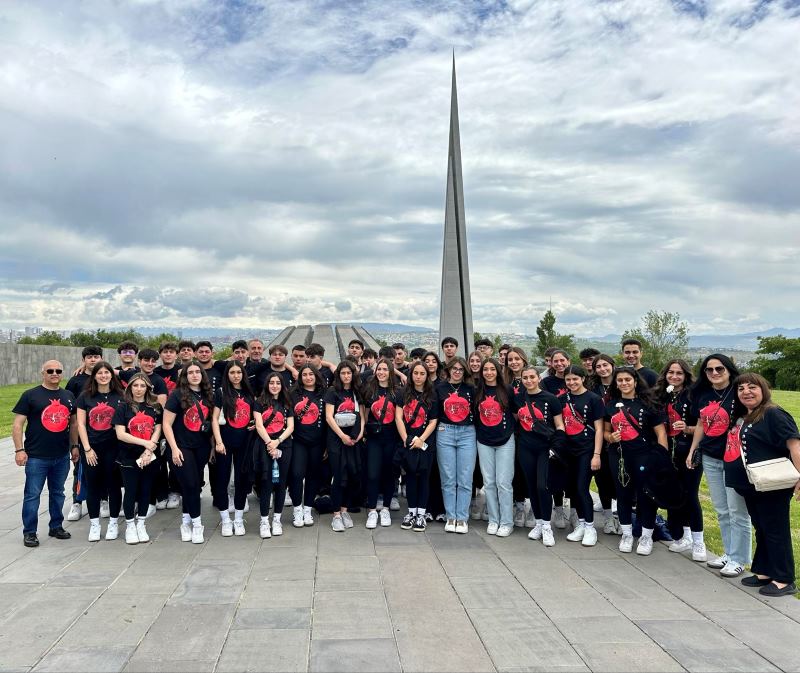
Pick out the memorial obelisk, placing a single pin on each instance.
(455, 309)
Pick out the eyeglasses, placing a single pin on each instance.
(127, 352)
(457, 369)
(54, 371)
(718, 370)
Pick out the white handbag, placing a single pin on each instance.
(769, 475)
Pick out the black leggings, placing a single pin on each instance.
(690, 513)
(633, 490)
(306, 465)
(769, 512)
(604, 480)
(535, 466)
(579, 474)
(138, 483)
(343, 488)
(381, 470)
(220, 477)
(103, 480)
(190, 477)
(267, 487)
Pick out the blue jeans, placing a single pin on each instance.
(455, 453)
(734, 521)
(37, 470)
(497, 468)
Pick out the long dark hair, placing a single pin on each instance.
(150, 398)
(508, 374)
(185, 392)
(319, 383)
(266, 399)
(641, 389)
(431, 354)
(594, 379)
(229, 392)
(702, 384)
(740, 411)
(371, 389)
(355, 386)
(660, 389)
(410, 391)
(502, 390)
(114, 385)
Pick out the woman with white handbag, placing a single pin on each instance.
(762, 462)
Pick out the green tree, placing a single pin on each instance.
(664, 336)
(779, 361)
(496, 340)
(547, 337)
(46, 338)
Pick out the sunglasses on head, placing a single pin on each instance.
(718, 370)
(53, 371)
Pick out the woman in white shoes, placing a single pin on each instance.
(187, 429)
(583, 413)
(272, 455)
(232, 424)
(137, 424)
(344, 414)
(672, 390)
(602, 371)
(95, 409)
(541, 428)
(634, 428)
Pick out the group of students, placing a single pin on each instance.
(340, 437)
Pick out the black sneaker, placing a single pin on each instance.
(59, 533)
(408, 521)
(30, 540)
(420, 523)
(773, 590)
(755, 581)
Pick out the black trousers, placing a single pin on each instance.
(418, 488)
(190, 477)
(381, 470)
(268, 487)
(535, 467)
(477, 479)
(769, 512)
(103, 480)
(345, 487)
(138, 483)
(691, 513)
(579, 473)
(604, 480)
(632, 490)
(306, 466)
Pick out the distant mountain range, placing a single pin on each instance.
(744, 342)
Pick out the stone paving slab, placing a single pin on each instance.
(387, 599)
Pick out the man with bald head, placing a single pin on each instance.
(45, 413)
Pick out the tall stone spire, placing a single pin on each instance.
(455, 310)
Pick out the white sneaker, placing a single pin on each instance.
(450, 526)
(308, 517)
(227, 528)
(94, 531)
(611, 526)
(131, 536)
(161, 504)
(536, 533)
(394, 505)
(491, 529)
(577, 534)
(238, 527)
(519, 514)
(186, 532)
(347, 520)
(141, 531)
(197, 534)
(645, 546)
(462, 527)
(372, 519)
(504, 531)
(559, 520)
(297, 517)
(719, 562)
(699, 552)
(105, 511)
(151, 510)
(112, 531)
(589, 537)
(173, 500)
(530, 519)
(626, 544)
(548, 539)
(337, 524)
(386, 518)
(75, 512)
(485, 513)
(277, 526)
(731, 569)
(263, 529)
(475, 509)
(682, 545)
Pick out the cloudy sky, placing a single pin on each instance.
(256, 164)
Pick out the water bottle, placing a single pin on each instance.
(276, 471)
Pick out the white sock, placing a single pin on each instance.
(687, 532)
(589, 524)
(546, 525)
(186, 519)
(540, 523)
(306, 510)
(647, 532)
(627, 528)
(277, 516)
(97, 520)
(697, 536)
(581, 522)
(412, 511)
(420, 510)
(130, 522)
(224, 516)
(196, 522)
(265, 519)
(239, 515)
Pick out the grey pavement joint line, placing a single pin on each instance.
(386, 602)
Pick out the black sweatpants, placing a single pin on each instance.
(344, 488)
(279, 489)
(306, 466)
(190, 477)
(381, 471)
(103, 480)
(535, 465)
(579, 473)
(769, 512)
(220, 477)
(604, 480)
(138, 483)
(691, 513)
(632, 489)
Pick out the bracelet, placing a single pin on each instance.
(18, 450)
(74, 446)
(89, 450)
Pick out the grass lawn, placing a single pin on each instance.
(9, 395)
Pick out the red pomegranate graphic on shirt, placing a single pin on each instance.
(241, 414)
(672, 417)
(622, 424)
(192, 420)
(276, 422)
(572, 425)
(715, 419)
(311, 414)
(733, 445)
(171, 385)
(141, 425)
(377, 407)
(347, 406)
(456, 408)
(490, 411)
(525, 419)
(409, 411)
(55, 416)
(100, 417)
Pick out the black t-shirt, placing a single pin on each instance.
(170, 376)
(580, 412)
(48, 413)
(714, 409)
(215, 373)
(256, 374)
(99, 410)
(516, 384)
(188, 423)
(275, 417)
(343, 402)
(545, 407)
(141, 423)
(126, 374)
(159, 384)
(765, 440)
(554, 385)
(380, 410)
(636, 422)
(327, 376)
(455, 403)
(76, 384)
(650, 376)
(417, 415)
(234, 431)
(493, 423)
(601, 390)
(309, 415)
(679, 408)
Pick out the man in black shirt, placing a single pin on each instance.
(204, 351)
(45, 413)
(186, 352)
(632, 352)
(127, 354)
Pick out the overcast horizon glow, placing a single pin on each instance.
(258, 164)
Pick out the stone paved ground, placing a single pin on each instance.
(368, 600)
